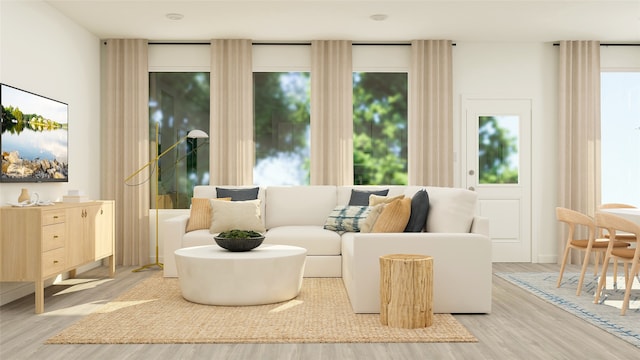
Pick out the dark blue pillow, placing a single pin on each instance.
(361, 197)
(419, 211)
(238, 194)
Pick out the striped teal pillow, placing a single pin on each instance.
(347, 218)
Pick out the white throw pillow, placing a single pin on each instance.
(242, 215)
(451, 209)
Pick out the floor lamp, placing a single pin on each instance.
(193, 134)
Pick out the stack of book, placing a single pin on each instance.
(75, 196)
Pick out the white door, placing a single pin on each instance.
(498, 168)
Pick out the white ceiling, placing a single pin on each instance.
(304, 20)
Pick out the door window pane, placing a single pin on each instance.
(179, 103)
(281, 128)
(379, 128)
(498, 149)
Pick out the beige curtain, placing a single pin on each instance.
(579, 122)
(430, 120)
(231, 139)
(579, 127)
(331, 113)
(125, 146)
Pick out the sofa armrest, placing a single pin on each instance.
(172, 230)
(480, 225)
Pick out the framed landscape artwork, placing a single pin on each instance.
(34, 137)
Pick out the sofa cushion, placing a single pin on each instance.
(374, 213)
(229, 215)
(451, 210)
(200, 214)
(298, 205)
(316, 239)
(238, 194)
(198, 238)
(361, 197)
(394, 216)
(419, 212)
(347, 218)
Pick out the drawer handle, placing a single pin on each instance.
(55, 261)
(55, 236)
(55, 216)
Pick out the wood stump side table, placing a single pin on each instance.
(406, 290)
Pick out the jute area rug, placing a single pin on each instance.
(154, 312)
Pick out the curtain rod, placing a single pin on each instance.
(277, 43)
(607, 44)
(355, 44)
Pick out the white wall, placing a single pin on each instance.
(517, 71)
(44, 52)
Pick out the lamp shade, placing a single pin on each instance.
(197, 134)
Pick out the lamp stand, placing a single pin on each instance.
(193, 134)
(156, 160)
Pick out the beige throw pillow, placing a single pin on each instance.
(394, 217)
(200, 214)
(368, 223)
(241, 215)
(377, 199)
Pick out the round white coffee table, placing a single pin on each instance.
(215, 276)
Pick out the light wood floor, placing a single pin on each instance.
(521, 326)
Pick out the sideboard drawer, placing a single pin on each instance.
(53, 261)
(53, 236)
(53, 217)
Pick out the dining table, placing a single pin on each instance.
(632, 214)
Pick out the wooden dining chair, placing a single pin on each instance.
(629, 256)
(602, 233)
(574, 220)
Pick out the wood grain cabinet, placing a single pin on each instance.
(38, 243)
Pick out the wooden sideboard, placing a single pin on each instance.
(41, 242)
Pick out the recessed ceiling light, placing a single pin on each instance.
(174, 16)
(378, 17)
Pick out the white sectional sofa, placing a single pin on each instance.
(456, 238)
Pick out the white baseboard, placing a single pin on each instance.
(547, 259)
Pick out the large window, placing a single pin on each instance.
(281, 128)
(379, 128)
(179, 103)
(620, 134)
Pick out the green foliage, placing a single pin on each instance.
(380, 128)
(179, 102)
(239, 234)
(281, 113)
(15, 121)
(282, 120)
(496, 146)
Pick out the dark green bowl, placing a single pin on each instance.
(239, 244)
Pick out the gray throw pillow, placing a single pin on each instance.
(238, 194)
(419, 211)
(361, 198)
